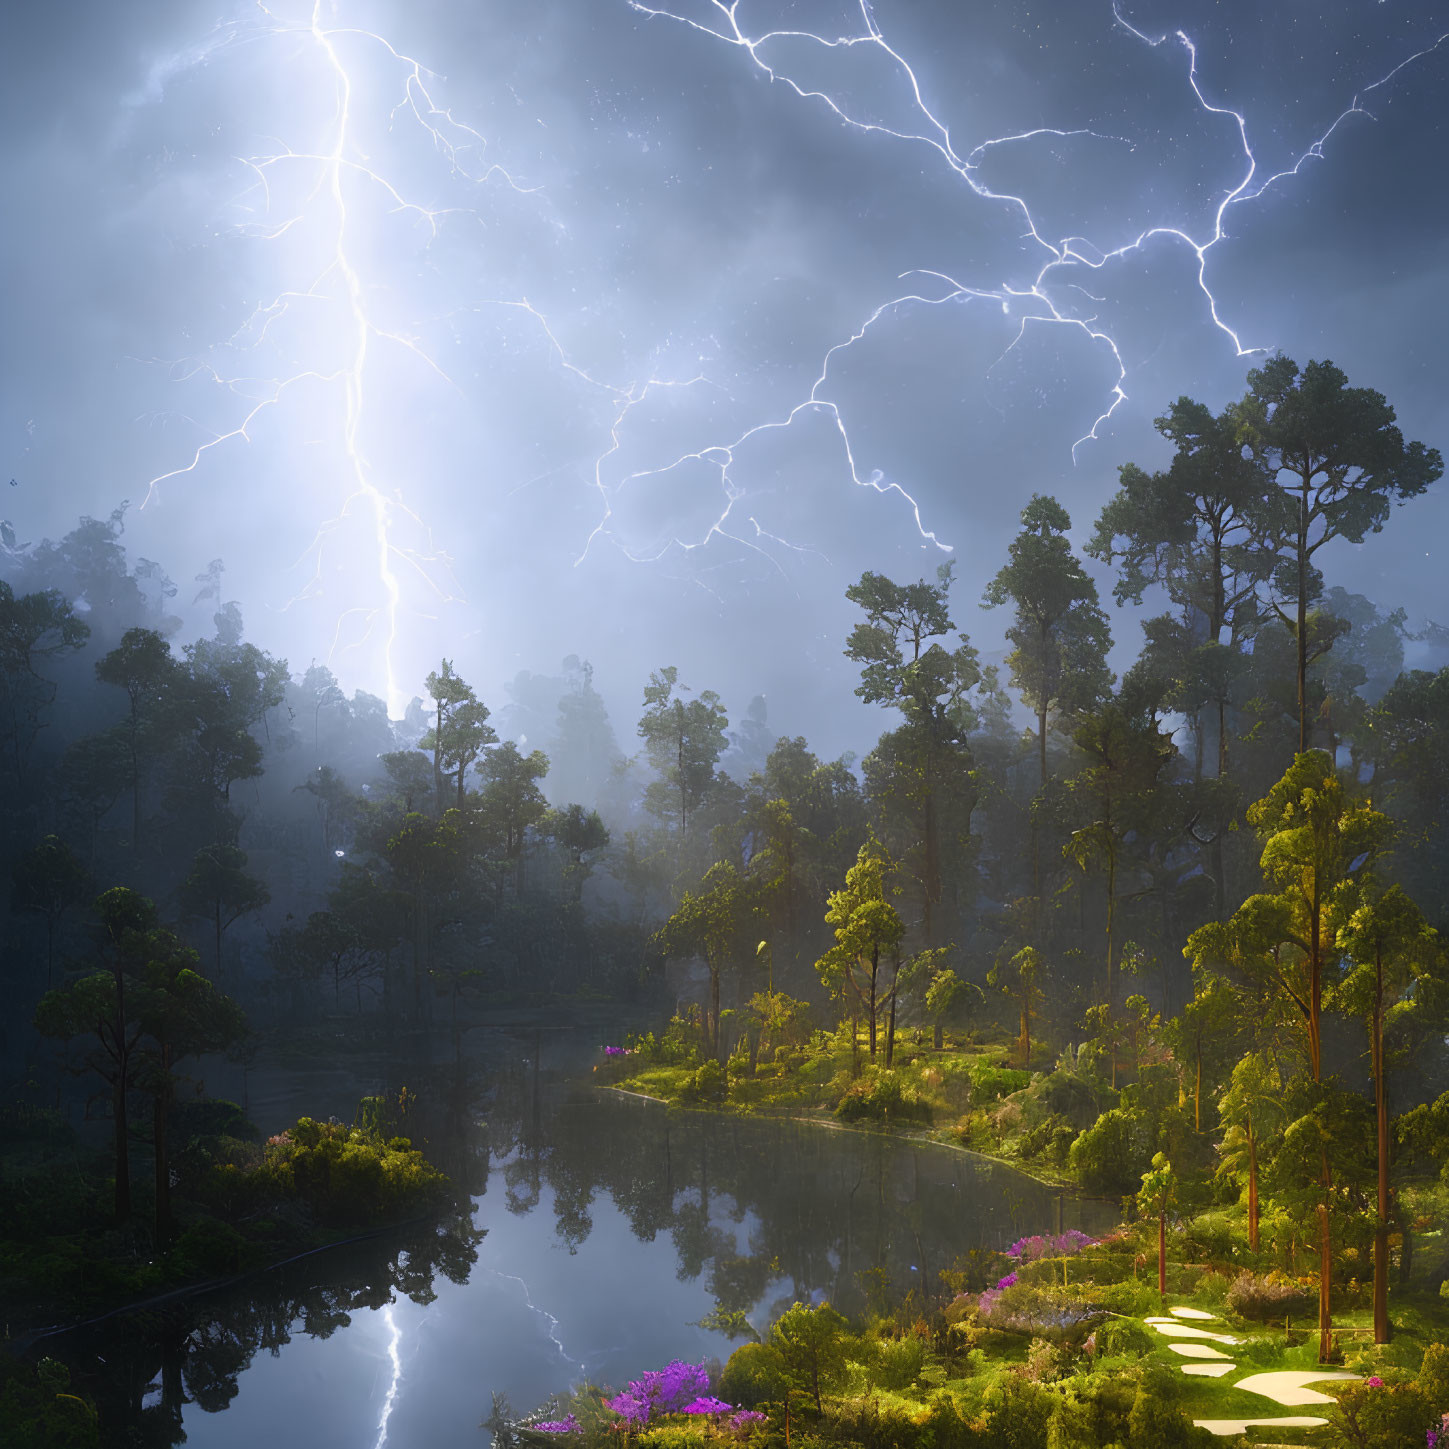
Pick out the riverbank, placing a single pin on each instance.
(964, 1095)
(239, 1207)
(1072, 1346)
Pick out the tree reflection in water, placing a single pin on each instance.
(759, 1213)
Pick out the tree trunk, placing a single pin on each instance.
(714, 1011)
(1325, 1271)
(870, 1005)
(160, 1109)
(1303, 619)
(1162, 1252)
(1197, 1089)
(891, 1026)
(1252, 1190)
(123, 1145)
(936, 1041)
(1381, 1226)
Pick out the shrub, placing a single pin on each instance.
(1157, 1421)
(897, 1362)
(755, 1374)
(709, 1084)
(1051, 1138)
(883, 1097)
(213, 1247)
(1112, 1154)
(344, 1176)
(990, 1082)
(1121, 1337)
(1060, 1315)
(1392, 1415)
(1272, 1299)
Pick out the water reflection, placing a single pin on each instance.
(768, 1212)
(618, 1234)
(145, 1368)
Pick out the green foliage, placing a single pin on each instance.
(40, 1409)
(1125, 1337)
(755, 1374)
(896, 1363)
(990, 1082)
(882, 1095)
(1111, 1155)
(812, 1344)
(709, 1084)
(1156, 1420)
(1047, 1311)
(345, 1177)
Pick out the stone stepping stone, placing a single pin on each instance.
(1227, 1427)
(1183, 1330)
(1209, 1370)
(1198, 1350)
(1190, 1313)
(1286, 1386)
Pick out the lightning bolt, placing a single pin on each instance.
(390, 1398)
(1037, 298)
(329, 175)
(325, 184)
(544, 1314)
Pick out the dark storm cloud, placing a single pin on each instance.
(691, 218)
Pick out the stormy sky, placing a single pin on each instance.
(487, 338)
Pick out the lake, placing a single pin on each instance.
(603, 1232)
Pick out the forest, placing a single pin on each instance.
(1173, 937)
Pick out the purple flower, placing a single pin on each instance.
(569, 1425)
(630, 1407)
(707, 1404)
(1007, 1282)
(1375, 1382)
(743, 1417)
(662, 1391)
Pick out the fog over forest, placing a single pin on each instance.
(867, 563)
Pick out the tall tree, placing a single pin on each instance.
(218, 889)
(511, 803)
(99, 1005)
(183, 1015)
(926, 765)
(683, 740)
(48, 880)
(33, 628)
(1199, 530)
(1252, 1110)
(459, 734)
(1120, 791)
(1059, 632)
(868, 934)
(1340, 463)
(1315, 834)
(1391, 946)
(141, 664)
(717, 922)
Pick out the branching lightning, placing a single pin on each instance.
(1043, 289)
(324, 180)
(390, 1398)
(544, 1314)
(330, 168)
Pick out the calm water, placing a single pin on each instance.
(602, 1231)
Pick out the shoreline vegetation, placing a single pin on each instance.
(1061, 1341)
(243, 1206)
